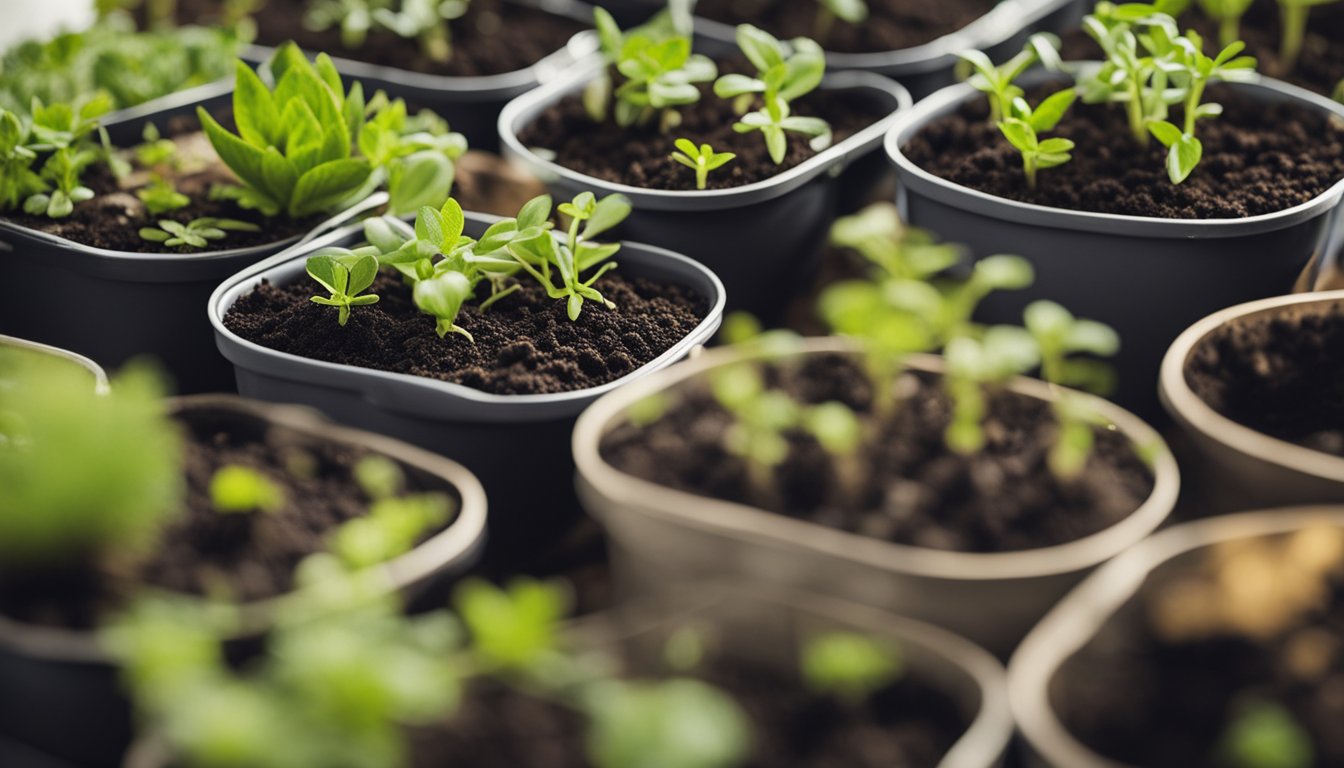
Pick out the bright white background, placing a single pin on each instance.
(24, 19)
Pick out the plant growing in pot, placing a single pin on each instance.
(1251, 387)
(505, 330)
(138, 234)
(106, 496)
(1213, 643)
(947, 490)
(607, 694)
(463, 58)
(614, 126)
(1107, 228)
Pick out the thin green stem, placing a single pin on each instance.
(1134, 108)
(1294, 23)
(1229, 30)
(1192, 104)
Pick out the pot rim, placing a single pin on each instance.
(1194, 414)
(522, 110)
(1085, 610)
(783, 534)
(465, 88)
(943, 102)
(457, 543)
(99, 375)
(226, 294)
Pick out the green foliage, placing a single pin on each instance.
(59, 138)
(783, 71)
(848, 11)
(546, 258)
(238, 489)
(975, 364)
(997, 82)
(1184, 149)
(512, 629)
(113, 59)
(659, 73)
(1023, 127)
(379, 476)
(418, 153)
(125, 450)
(849, 666)
(1264, 734)
(346, 276)
(702, 159)
(1228, 14)
(1293, 16)
(775, 122)
(673, 723)
(155, 151)
(391, 528)
(18, 180)
(425, 21)
(196, 233)
(160, 197)
(354, 17)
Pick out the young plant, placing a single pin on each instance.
(1264, 734)
(160, 197)
(425, 21)
(545, 258)
(848, 11)
(417, 154)
(354, 17)
(783, 71)
(1196, 71)
(155, 151)
(1137, 67)
(849, 666)
(660, 73)
(702, 159)
(775, 123)
(611, 43)
(18, 180)
(1059, 335)
(391, 528)
(1022, 130)
(62, 132)
(974, 366)
(237, 489)
(196, 233)
(1293, 21)
(997, 82)
(346, 276)
(1228, 14)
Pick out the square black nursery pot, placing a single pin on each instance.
(763, 240)
(1149, 278)
(61, 698)
(517, 444)
(471, 105)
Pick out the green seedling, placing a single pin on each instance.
(1022, 130)
(1293, 15)
(974, 365)
(1228, 14)
(62, 132)
(848, 666)
(848, 11)
(197, 233)
(515, 629)
(155, 151)
(783, 71)
(702, 159)
(390, 529)
(1265, 735)
(442, 296)
(346, 276)
(160, 197)
(1059, 335)
(660, 74)
(1184, 149)
(238, 489)
(612, 43)
(543, 255)
(425, 21)
(997, 82)
(18, 180)
(379, 477)
(775, 123)
(353, 17)
(632, 720)
(1139, 65)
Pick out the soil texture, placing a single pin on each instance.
(525, 344)
(1279, 374)
(891, 24)
(1258, 159)
(910, 488)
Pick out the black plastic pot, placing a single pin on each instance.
(1148, 278)
(115, 305)
(61, 696)
(469, 104)
(763, 240)
(517, 444)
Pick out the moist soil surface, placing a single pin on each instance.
(906, 725)
(1279, 374)
(909, 488)
(1134, 697)
(1318, 68)
(525, 344)
(891, 24)
(493, 38)
(641, 156)
(244, 556)
(1258, 159)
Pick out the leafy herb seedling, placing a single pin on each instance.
(427, 22)
(354, 17)
(155, 151)
(1138, 69)
(1023, 127)
(544, 256)
(235, 489)
(160, 197)
(849, 666)
(702, 159)
(1184, 149)
(196, 233)
(975, 365)
(784, 73)
(391, 528)
(997, 82)
(659, 72)
(346, 277)
(60, 137)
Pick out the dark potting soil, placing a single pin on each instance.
(911, 488)
(525, 344)
(1279, 374)
(1319, 67)
(493, 38)
(906, 725)
(641, 156)
(891, 24)
(1140, 699)
(1258, 158)
(242, 556)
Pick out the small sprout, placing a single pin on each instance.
(542, 254)
(196, 233)
(702, 160)
(236, 489)
(785, 71)
(877, 234)
(1266, 735)
(647, 411)
(848, 11)
(684, 722)
(1138, 69)
(515, 628)
(390, 529)
(835, 426)
(442, 296)
(849, 666)
(1228, 14)
(425, 21)
(346, 276)
(1023, 127)
(775, 123)
(160, 197)
(997, 82)
(1184, 149)
(156, 151)
(974, 365)
(660, 75)
(354, 17)
(379, 477)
